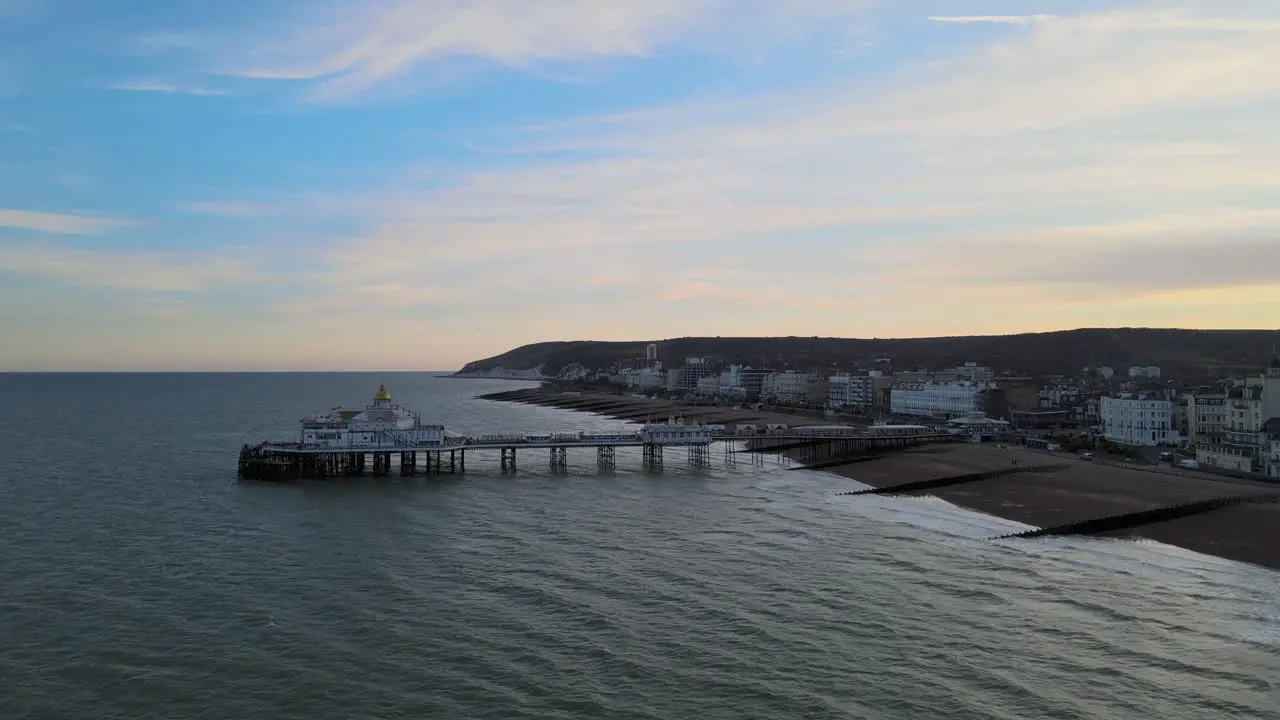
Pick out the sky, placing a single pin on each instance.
(414, 184)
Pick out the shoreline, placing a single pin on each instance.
(1076, 491)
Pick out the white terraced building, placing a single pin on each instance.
(942, 400)
(1138, 421)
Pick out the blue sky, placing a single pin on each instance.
(406, 184)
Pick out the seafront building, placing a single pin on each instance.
(1138, 420)
(979, 425)
(1250, 427)
(1242, 444)
(935, 399)
(1206, 417)
(794, 388)
(856, 392)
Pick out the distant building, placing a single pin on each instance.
(1206, 417)
(651, 352)
(931, 399)
(709, 385)
(978, 424)
(685, 380)
(1243, 443)
(1149, 372)
(642, 380)
(1106, 373)
(1138, 421)
(855, 392)
(972, 372)
(1059, 395)
(752, 380)
(732, 383)
(789, 387)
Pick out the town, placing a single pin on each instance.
(1230, 424)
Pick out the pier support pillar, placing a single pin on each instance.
(605, 457)
(652, 458)
(462, 461)
(699, 455)
(453, 461)
(508, 459)
(730, 457)
(559, 460)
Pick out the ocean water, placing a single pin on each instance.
(140, 579)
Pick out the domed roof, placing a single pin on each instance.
(382, 393)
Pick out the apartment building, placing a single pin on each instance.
(933, 399)
(1138, 420)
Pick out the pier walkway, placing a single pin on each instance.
(339, 441)
(294, 460)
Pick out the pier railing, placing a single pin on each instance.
(392, 440)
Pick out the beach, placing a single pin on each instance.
(1077, 490)
(1084, 490)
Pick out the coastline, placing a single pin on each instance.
(1077, 491)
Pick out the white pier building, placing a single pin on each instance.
(375, 426)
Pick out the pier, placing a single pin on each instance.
(382, 439)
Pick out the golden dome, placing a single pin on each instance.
(382, 393)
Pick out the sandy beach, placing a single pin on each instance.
(1082, 490)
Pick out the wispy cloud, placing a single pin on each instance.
(158, 308)
(60, 224)
(890, 181)
(364, 43)
(999, 19)
(158, 86)
(137, 271)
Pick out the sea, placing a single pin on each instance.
(140, 579)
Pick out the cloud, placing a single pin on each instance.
(360, 44)
(121, 270)
(158, 86)
(1102, 168)
(999, 19)
(161, 308)
(933, 179)
(60, 224)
